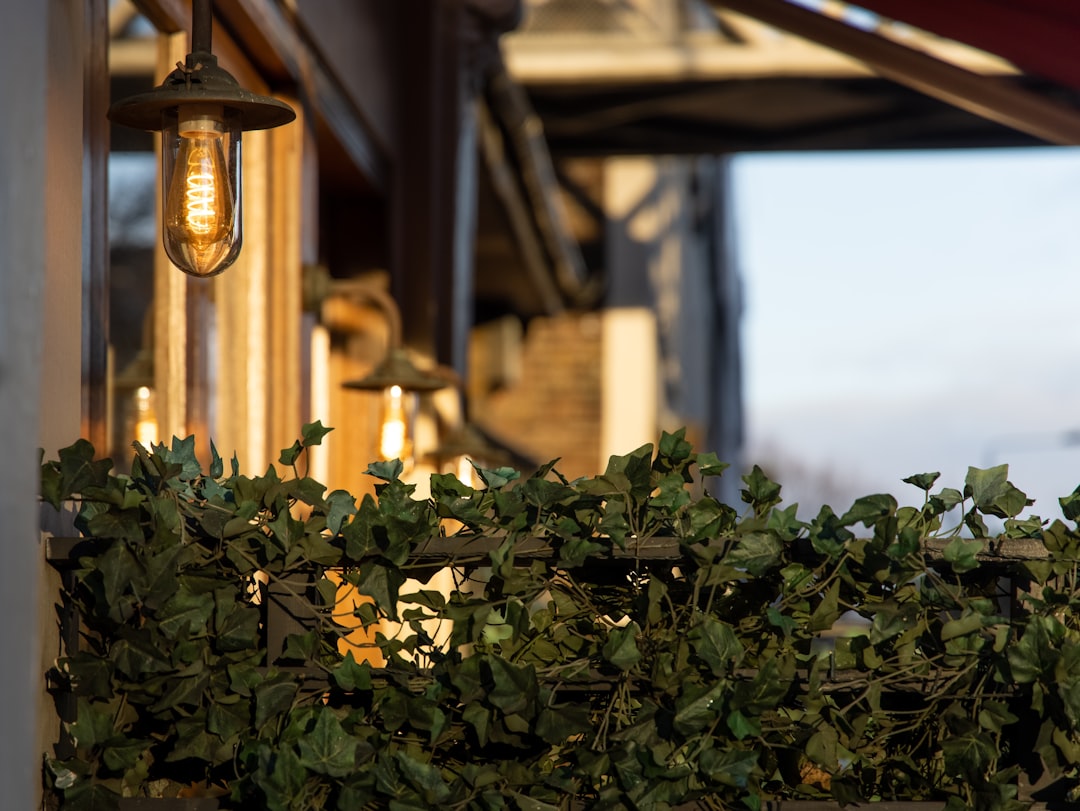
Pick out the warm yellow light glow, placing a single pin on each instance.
(466, 473)
(199, 202)
(395, 441)
(146, 423)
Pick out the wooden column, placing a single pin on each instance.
(95, 237)
(292, 214)
(432, 278)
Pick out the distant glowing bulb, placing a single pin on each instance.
(201, 194)
(146, 423)
(395, 436)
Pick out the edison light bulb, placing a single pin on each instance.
(146, 424)
(395, 441)
(201, 194)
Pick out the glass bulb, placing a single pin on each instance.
(146, 424)
(395, 436)
(201, 193)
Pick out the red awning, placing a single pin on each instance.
(1041, 37)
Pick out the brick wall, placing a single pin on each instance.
(551, 405)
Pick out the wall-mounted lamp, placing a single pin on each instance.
(397, 378)
(200, 110)
(401, 384)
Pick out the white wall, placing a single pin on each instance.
(22, 261)
(41, 265)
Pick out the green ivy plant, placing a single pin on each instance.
(622, 641)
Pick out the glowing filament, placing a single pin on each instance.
(200, 224)
(394, 442)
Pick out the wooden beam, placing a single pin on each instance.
(985, 96)
(95, 238)
(318, 89)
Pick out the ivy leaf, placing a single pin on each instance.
(280, 776)
(381, 583)
(386, 471)
(1035, 653)
(730, 767)
(948, 498)
(672, 493)
(828, 610)
(761, 492)
(289, 455)
(621, 647)
(756, 552)
(993, 494)
(575, 552)
(822, 748)
(706, 519)
(968, 755)
(94, 724)
(498, 478)
(780, 620)
(785, 522)
(514, 687)
(76, 471)
(869, 509)
(185, 614)
(217, 464)
(961, 626)
(327, 748)
(122, 525)
(239, 630)
(924, 481)
(182, 453)
(300, 647)
(995, 716)
(424, 777)
(673, 450)
(1070, 505)
(699, 707)
(631, 474)
(962, 554)
(341, 506)
(478, 717)
(350, 675)
(313, 432)
(710, 465)
(228, 719)
(563, 722)
(273, 699)
(717, 645)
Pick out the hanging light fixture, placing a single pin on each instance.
(200, 110)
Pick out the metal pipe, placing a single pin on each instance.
(201, 26)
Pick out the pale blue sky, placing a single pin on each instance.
(908, 312)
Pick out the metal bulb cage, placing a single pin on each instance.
(205, 237)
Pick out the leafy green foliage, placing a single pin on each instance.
(855, 656)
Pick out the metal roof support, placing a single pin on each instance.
(991, 98)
